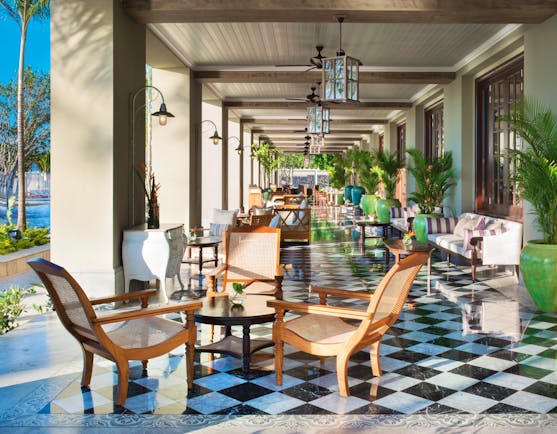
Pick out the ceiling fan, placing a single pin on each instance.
(315, 61)
(311, 97)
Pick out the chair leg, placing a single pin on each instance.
(190, 352)
(87, 367)
(279, 354)
(374, 358)
(342, 375)
(123, 378)
(144, 364)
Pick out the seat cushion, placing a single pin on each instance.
(224, 216)
(450, 242)
(321, 329)
(144, 332)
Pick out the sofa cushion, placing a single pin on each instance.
(225, 216)
(441, 225)
(275, 222)
(471, 233)
(466, 221)
(217, 229)
(450, 242)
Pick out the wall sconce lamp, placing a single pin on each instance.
(163, 114)
(215, 137)
(239, 149)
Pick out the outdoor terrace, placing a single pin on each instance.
(440, 368)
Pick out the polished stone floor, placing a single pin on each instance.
(463, 355)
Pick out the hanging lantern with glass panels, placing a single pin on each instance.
(340, 78)
(318, 118)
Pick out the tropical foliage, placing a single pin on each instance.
(337, 173)
(30, 237)
(387, 168)
(22, 11)
(322, 161)
(37, 126)
(433, 179)
(12, 306)
(536, 165)
(267, 156)
(368, 178)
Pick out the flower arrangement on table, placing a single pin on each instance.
(238, 292)
(408, 238)
(151, 188)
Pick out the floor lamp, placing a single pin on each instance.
(163, 114)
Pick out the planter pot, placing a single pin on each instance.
(348, 192)
(420, 227)
(357, 193)
(369, 201)
(538, 264)
(383, 209)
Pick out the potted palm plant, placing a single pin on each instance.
(536, 177)
(433, 178)
(369, 180)
(338, 175)
(387, 167)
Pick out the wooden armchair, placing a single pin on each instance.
(138, 334)
(252, 256)
(323, 331)
(295, 223)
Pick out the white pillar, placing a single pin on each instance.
(94, 70)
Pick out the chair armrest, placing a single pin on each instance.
(142, 313)
(122, 297)
(340, 292)
(474, 241)
(217, 272)
(319, 309)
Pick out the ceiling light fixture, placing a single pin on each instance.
(340, 75)
(318, 118)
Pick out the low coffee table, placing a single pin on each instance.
(397, 248)
(220, 311)
(371, 223)
(201, 243)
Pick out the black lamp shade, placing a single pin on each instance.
(163, 112)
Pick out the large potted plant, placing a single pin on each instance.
(388, 168)
(536, 177)
(369, 179)
(433, 178)
(352, 159)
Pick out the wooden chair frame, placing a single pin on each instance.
(295, 223)
(94, 340)
(368, 334)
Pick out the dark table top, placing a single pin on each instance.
(204, 241)
(415, 246)
(221, 309)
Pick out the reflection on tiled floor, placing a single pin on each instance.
(458, 348)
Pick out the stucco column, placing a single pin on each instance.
(98, 61)
(459, 130)
(170, 145)
(224, 161)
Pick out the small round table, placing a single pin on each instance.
(372, 223)
(397, 248)
(220, 311)
(201, 243)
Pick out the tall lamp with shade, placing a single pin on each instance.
(162, 114)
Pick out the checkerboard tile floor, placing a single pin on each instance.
(458, 347)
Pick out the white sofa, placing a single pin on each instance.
(498, 242)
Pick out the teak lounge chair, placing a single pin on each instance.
(323, 332)
(134, 335)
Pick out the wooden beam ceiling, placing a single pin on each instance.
(334, 122)
(355, 11)
(366, 77)
(271, 132)
(302, 105)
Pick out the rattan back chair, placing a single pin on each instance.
(323, 331)
(137, 334)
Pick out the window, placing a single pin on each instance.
(381, 142)
(434, 131)
(497, 94)
(401, 141)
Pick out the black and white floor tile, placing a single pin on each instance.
(459, 347)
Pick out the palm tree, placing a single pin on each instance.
(22, 11)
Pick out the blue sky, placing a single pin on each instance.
(37, 53)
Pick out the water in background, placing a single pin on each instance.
(38, 213)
